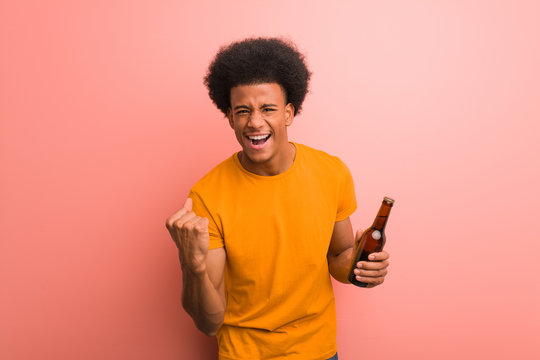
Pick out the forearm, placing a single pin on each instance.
(339, 265)
(202, 301)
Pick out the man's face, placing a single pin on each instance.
(259, 118)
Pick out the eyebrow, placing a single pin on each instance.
(246, 107)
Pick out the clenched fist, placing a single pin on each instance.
(190, 234)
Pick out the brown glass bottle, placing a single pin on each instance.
(372, 240)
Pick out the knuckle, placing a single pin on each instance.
(202, 223)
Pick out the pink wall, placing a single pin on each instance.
(105, 124)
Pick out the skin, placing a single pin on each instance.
(255, 109)
(342, 247)
(203, 270)
(261, 109)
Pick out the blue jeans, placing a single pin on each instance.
(333, 357)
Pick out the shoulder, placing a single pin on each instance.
(217, 175)
(322, 158)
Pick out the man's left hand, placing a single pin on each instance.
(373, 271)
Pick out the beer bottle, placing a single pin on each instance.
(372, 240)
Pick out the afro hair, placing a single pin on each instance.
(255, 61)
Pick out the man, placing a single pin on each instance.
(261, 233)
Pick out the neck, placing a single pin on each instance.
(273, 167)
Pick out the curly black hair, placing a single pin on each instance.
(255, 61)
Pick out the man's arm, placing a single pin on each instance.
(340, 253)
(203, 293)
(340, 250)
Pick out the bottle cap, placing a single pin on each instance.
(389, 200)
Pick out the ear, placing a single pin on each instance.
(289, 113)
(230, 118)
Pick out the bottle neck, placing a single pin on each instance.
(382, 216)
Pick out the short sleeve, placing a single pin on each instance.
(346, 195)
(201, 209)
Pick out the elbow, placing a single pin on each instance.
(209, 332)
(207, 324)
(209, 329)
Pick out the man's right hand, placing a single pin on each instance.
(190, 234)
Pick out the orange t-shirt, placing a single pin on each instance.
(276, 231)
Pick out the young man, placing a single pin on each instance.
(261, 233)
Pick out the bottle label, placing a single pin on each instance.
(376, 234)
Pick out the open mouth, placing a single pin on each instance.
(259, 139)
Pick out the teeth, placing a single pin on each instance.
(258, 137)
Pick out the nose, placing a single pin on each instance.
(256, 119)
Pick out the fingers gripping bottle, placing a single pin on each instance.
(372, 240)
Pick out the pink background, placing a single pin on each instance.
(105, 124)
